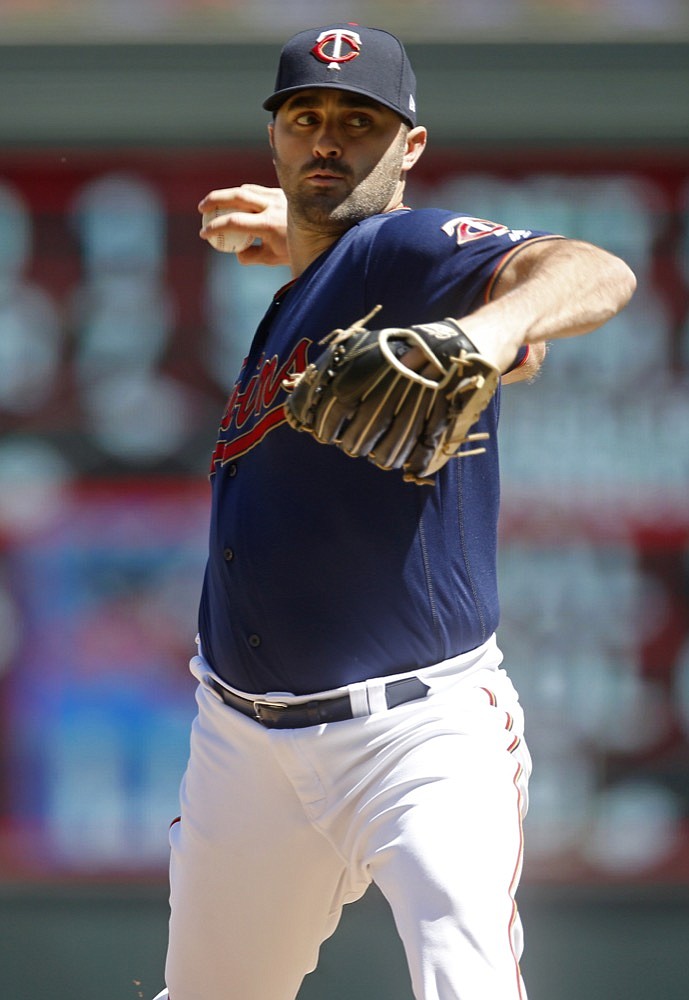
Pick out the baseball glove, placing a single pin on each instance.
(361, 396)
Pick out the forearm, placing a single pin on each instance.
(550, 290)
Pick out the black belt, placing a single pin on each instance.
(275, 714)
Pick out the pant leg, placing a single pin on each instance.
(446, 849)
(254, 888)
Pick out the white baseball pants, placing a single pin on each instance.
(280, 828)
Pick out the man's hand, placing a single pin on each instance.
(254, 209)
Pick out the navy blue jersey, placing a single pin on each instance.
(324, 570)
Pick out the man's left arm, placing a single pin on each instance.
(410, 399)
(548, 289)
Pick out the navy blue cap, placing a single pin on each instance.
(366, 61)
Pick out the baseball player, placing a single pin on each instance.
(355, 724)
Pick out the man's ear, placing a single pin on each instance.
(416, 143)
(271, 130)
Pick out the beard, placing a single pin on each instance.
(337, 209)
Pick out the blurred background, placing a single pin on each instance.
(120, 335)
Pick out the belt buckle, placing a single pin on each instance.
(259, 704)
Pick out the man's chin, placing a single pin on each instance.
(328, 213)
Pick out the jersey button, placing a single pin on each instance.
(254, 640)
(232, 470)
(228, 554)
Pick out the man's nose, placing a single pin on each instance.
(327, 145)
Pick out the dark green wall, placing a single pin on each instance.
(635, 94)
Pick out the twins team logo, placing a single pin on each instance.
(337, 45)
(465, 229)
(256, 405)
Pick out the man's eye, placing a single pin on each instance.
(359, 121)
(305, 118)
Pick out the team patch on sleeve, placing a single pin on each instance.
(465, 228)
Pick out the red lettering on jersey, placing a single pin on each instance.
(257, 397)
(226, 451)
(245, 401)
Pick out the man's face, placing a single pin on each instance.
(339, 157)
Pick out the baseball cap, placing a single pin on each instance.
(366, 61)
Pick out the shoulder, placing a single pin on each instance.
(406, 223)
(408, 235)
(440, 231)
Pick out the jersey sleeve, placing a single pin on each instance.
(427, 264)
(522, 355)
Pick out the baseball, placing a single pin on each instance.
(230, 241)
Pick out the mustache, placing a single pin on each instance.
(328, 166)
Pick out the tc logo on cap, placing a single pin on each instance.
(337, 46)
